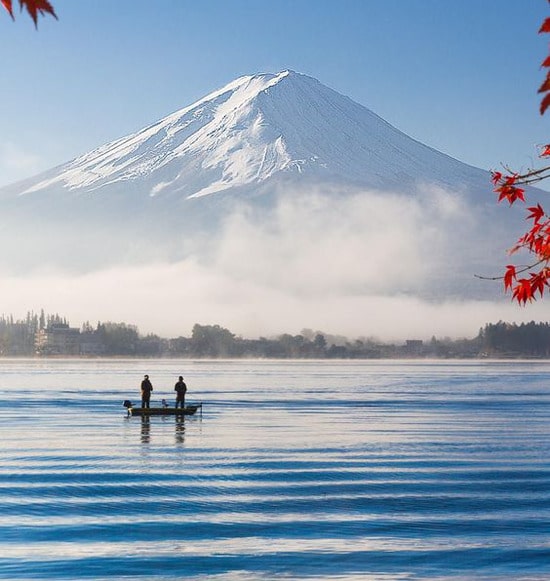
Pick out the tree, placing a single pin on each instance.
(212, 341)
(525, 282)
(118, 338)
(34, 8)
(320, 343)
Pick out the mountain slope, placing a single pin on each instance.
(269, 170)
(256, 128)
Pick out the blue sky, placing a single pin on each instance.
(458, 76)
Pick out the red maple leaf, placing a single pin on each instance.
(510, 193)
(545, 26)
(545, 87)
(539, 282)
(544, 104)
(536, 213)
(496, 177)
(510, 276)
(7, 5)
(523, 291)
(34, 8)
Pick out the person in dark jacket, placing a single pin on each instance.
(146, 389)
(180, 388)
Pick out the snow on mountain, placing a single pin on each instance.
(253, 129)
(393, 213)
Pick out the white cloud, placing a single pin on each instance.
(374, 242)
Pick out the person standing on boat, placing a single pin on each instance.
(180, 388)
(146, 389)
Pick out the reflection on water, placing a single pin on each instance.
(145, 433)
(145, 429)
(345, 470)
(180, 429)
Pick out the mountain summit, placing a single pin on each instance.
(271, 165)
(256, 128)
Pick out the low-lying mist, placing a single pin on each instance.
(374, 264)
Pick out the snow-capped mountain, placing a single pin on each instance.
(252, 130)
(176, 190)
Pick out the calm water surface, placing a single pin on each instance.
(323, 470)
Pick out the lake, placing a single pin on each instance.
(348, 470)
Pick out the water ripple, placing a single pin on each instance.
(297, 470)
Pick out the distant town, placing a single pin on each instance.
(43, 335)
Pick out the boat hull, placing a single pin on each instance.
(186, 411)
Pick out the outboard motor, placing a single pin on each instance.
(127, 403)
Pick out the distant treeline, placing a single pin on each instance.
(508, 339)
(43, 334)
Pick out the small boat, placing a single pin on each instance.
(161, 411)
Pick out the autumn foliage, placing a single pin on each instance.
(526, 283)
(33, 7)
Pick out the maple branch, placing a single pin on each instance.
(519, 270)
(532, 175)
